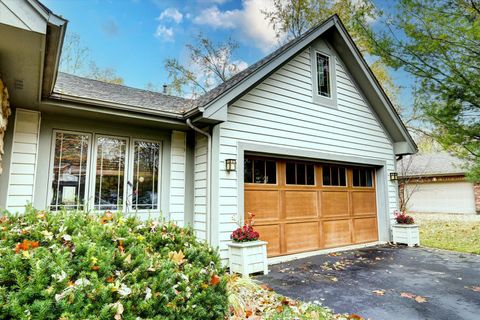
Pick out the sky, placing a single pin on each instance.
(135, 37)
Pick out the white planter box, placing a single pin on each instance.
(406, 233)
(248, 257)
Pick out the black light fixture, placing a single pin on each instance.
(393, 176)
(231, 165)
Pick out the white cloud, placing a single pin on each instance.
(164, 33)
(171, 13)
(249, 21)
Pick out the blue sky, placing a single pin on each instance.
(136, 36)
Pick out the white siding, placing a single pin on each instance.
(441, 197)
(177, 177)
(200, 186)
(21, 183)
(280, 112)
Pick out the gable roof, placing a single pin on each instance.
(430, 164)
(212, 105)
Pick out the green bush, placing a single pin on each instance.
(84, 266)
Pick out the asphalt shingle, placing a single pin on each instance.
(440, 163)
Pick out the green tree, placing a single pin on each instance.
(208, 65)
(292, 18)
(438, 42)
(75, 59)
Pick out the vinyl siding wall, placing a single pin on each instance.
(21, 182)
(177, 177)
(200, 187)
(280, 112)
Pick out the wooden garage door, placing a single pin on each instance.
(305, 206)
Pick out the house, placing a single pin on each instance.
(305, 138)
(436, 183)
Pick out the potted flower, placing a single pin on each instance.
(405, 230)
(247, 253)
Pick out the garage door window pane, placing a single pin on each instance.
(300, 173)
(271, 170)
(334, 176)
(362, 177)
(260, 171)
(291, 173)
(310, 175)
(69, 171)
(247, 169)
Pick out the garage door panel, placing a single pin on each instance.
(270, 234)
(265, 204)
(334, 203)
(301, 236)
(336, 233)
(363, 203)
(301, 204)
(365, 230)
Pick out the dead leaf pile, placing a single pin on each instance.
(251, 300)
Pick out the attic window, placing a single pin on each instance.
(323, 75)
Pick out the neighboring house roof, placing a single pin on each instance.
(75, 86)
(431, 164)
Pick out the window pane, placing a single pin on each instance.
(342, 175)
(247, 171)
(369, 178)
(300, 173)
(326, 175)
(335, 181)
(259, 171)
(69, 171)
(310, 174)
(271, 172)
(145, 175)
(363, 178)
(323, 75)
(290, 173)
(110, 173)
(356, 177)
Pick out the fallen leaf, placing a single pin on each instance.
(420, 299)
(379, 292)
(215, 280)
(265, 287)
(177, 257)
(334, 279)
(476, 289)
(355, 316)
(407, 295)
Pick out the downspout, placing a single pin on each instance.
(208, 182)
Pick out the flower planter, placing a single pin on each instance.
(406, 233)
(248, 257)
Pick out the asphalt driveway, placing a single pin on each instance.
(385, 282)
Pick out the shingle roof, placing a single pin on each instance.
(440, 163)
(239, 77)
(81, 87)
(76, 86)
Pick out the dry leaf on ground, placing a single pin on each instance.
(379, 292)
(420, 299)
(407, 295)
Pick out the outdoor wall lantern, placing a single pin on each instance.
(393, 176)
(231, 165)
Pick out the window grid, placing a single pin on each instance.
(323, 75)
(334, 176)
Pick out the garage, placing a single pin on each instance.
(441, 197)
(304, 206)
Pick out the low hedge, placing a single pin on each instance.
(83, 266)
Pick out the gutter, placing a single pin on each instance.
(208, 214)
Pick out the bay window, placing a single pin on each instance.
(103, 173)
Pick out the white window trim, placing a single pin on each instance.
(332, 78)
(92, 184)
(52, 163)
(131, 174)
